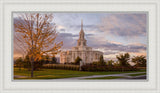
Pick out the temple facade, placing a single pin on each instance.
(82, 50)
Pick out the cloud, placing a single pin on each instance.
(69, 39)
(91, 26)
(124, 25)
(60, 28)
(112, 47)
(127, 26)
(116, 48)
(104, 35)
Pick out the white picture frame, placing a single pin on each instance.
(150, 6)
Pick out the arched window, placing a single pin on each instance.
(73, 55)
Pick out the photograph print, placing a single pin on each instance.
(80, 45)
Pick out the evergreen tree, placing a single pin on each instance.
(54, 60)
(27, 63)
(110, 63)
(47, 59)
(101, 60)
(77, 60)
(19, 62)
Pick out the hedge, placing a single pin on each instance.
(89, 67)
(61, 66)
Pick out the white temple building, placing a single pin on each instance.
(82, 50)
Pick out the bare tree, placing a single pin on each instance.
(37, 33)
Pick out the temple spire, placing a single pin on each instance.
(81, 34)
(81, 24)
(81, 40)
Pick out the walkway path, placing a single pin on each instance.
(125, 75)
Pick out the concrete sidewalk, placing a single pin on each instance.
(125, 75)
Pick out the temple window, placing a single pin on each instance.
(96, 56)
(74, 56)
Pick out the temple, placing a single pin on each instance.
(82, 50)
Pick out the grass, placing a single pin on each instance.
(137, 74)
(108, 77)
(57, 73)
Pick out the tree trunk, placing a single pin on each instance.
(32, 59)
(32, 67)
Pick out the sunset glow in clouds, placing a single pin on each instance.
(111, 33)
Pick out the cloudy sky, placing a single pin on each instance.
(111, 33)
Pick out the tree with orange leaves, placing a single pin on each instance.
(37, 33)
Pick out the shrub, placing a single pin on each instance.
(122, 68)
(90, 67)
(61, 66)
(93, 67)
(110, 63)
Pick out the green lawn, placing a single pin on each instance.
(108, 77)
(56, 73)
(137, 74)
